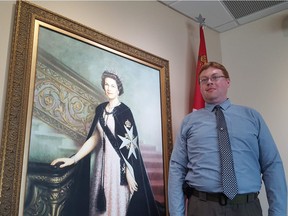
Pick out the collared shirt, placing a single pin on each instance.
(195, 157)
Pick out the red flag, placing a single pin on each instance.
(198, 101)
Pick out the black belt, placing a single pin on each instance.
(219, 197)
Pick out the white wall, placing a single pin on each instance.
(256, 55)
(6, 23)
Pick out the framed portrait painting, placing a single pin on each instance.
(57, 82)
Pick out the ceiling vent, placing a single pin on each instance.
(239, 9)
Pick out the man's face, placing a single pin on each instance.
(213, 85)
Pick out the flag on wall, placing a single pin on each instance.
(198, 101)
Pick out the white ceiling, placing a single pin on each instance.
(224, 15)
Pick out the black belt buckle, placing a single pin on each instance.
(222, 200)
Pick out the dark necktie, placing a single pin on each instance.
(230, 188)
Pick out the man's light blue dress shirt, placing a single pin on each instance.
(195, 157)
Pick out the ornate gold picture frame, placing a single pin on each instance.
(54, 85)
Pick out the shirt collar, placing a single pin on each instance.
(224, 105)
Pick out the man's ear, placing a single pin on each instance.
(228, 81)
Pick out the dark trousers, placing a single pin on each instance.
(198, 207)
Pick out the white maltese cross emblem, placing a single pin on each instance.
(129, 142)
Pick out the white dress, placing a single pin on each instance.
(117, 196)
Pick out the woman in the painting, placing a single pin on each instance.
(119, 184)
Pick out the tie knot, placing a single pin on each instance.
(217, 107)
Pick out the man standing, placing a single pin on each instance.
(222, 154)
